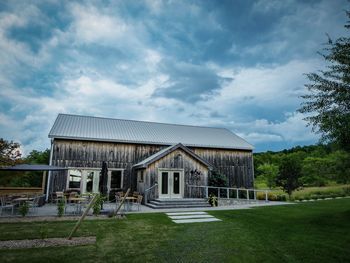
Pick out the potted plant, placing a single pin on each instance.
(213, 200)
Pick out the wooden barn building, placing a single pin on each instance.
(143, 155)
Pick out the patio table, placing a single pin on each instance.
(78, 202)
(22, 199)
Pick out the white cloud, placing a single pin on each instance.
(271, 87)
(85, 83)
(91, 25)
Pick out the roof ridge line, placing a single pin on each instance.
(163, 123)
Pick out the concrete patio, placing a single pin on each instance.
(50, 210)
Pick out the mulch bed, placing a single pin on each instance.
(47, 242)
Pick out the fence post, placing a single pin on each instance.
(254, 195)
(237, 194)
(218, 192)
(77, 225)
(247, 194)
(228, 193)
(266, 199)
(206, 191)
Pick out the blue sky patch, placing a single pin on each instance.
(233, 64)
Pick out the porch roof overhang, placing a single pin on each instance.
(32, 167)
(155, 157)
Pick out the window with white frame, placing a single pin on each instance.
(74, 179)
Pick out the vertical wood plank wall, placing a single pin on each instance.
(235, 164)
(178, 160)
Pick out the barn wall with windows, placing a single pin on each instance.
(236, 165)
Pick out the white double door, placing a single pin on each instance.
(170, 183)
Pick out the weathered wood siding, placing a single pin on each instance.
(236, 165)
(195, 173)
(88, 154)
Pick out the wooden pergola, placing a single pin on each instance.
(27, 168)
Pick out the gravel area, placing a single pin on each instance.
(47, 242)
(47, 218)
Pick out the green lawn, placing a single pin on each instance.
(308, 232)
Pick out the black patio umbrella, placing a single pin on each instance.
(103, 179)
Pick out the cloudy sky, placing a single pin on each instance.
(234, 64)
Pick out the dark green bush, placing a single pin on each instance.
(281, 198)
(60, 207)
(23, 209)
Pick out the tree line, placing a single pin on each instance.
(315, 165)
(10, 154)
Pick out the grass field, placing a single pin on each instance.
(307, 232)
(307, 191)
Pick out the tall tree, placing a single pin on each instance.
(328, 99)
(9, 152)
(289, 174)
(269, 172)
(38, 157)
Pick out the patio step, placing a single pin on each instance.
(177, 203)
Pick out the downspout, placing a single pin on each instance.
(253, 169)
(49, 176)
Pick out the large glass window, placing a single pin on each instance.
(74, 179)
(116, 179)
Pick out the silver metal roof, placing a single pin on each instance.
(79, 127)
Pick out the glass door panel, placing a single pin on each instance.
(176, 183)
(170, 184)
(165, 183)
(89, 182)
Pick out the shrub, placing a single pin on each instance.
(242, 194)
(272, 197)
(346, 190)
(96, 207)
(60, 207)
(43, 231)
(314, 197)
(281, 198)
(23, 209)
(213, 200)
(260, 196)
(217, 180)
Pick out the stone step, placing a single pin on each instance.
(195, 220)
(176, 206)
(178, 203)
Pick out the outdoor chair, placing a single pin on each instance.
(5, 205)
(72, 195)
(139, 201)
(120, 194)
(58, 196)
(33, 205)
(135, 194)
(117, 200)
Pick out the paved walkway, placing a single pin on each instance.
(51, 209)
(191, 217)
